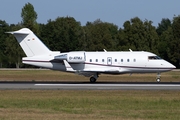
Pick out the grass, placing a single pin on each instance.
(49, 75)
(87, 104)
(69, 104)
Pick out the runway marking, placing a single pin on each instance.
(109, 85)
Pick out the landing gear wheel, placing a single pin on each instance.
(92, 79)
(158, 77)
(158, 80)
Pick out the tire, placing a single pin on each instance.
(92, 79)
(158, 80)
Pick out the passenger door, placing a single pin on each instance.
(109, 61)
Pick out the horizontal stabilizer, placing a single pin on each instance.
(19, 32)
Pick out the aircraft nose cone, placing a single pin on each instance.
(174, 67)
(171, 66)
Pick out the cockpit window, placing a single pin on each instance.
(154, 58)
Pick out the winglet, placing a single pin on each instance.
(68, 66)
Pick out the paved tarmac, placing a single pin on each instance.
(90, 86)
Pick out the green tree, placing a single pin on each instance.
(122, 41)
(169, 47)
(29, 17)
(175, 43)
(3, 28)
(163, 26)
(151, 36)
(62, 34)
(99, 36)
(13, 50)
(164, 30)
(164, 46)
(138, 35)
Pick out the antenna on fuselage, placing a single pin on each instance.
(104, 50)
(130, 50)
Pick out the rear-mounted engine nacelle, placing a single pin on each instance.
(72, 57)
(76, 57)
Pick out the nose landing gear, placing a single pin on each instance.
(158, 77)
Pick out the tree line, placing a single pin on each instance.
(66, 34)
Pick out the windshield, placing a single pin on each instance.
(154, 58)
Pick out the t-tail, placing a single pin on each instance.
(30, 43)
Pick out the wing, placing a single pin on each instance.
(88, 73)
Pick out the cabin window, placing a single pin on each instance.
(115, 60)
(90, 60)
(102, 60)
(96, 60)
(121, 60)
(154, 58)
(134, 60)
(127, 60)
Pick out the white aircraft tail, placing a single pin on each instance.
(30, 43)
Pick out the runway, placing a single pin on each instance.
(90, 86)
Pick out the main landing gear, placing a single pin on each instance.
(94, 78)
(158, 78)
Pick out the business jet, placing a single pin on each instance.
(89, 64)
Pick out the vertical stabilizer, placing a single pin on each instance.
(30, 43)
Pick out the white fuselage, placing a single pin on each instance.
(103, 62)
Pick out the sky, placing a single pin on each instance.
(111, 11)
